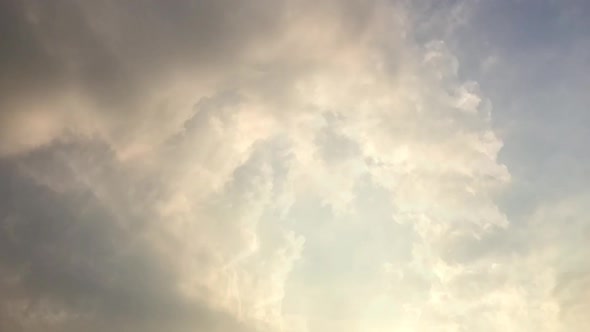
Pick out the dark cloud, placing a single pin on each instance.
(111, 49)
(109, 67)
(105, 59)
(71, 251)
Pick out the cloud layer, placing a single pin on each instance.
(264, 166)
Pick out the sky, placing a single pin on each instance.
(294, 165)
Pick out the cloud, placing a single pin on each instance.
(75, 258)
(261, 166)
(105, 69)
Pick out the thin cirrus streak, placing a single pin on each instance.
(290, 166)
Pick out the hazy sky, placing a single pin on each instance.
(294, 165)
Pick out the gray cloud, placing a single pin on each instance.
(118, 63)
(71, 252)
(67, 58)
(286, 166)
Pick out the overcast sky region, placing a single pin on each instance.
(294, 165)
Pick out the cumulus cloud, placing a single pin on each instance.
(258, 166)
